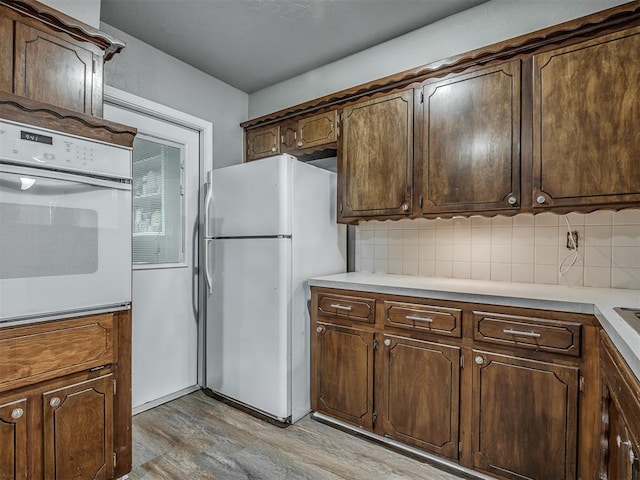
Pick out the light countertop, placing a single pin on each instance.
(597, 301)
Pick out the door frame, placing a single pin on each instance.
(129, 101)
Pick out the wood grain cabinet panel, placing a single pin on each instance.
(471, 141)
(262, 142)
(6, 54)
(78, 431)
(424, 318)
(524, 417)
(344, 307)
(375, 163)
(13, 440)
(586, 122)
(527, 332)
(317, 130)
(43, 351)
(344, 373)
(55, 70)
(421, 387)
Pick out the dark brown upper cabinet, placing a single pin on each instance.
(58, 71)
(586, 119)
(53, 59)
(375, 161)
(470, 155)
(316, 131)
(262, 142)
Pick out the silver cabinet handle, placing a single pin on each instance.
(508, 331)
(300, 143)
(419, 319)
(387, 342)
(512, 200)
(337, 306)
(541, 199)
(405, 207)
(17, 413)
(54, 402)
(319, 329)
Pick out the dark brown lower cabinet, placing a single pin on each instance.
(343, 366)
(78, 430)
(525, 417)
(421, 388)
(13, 439)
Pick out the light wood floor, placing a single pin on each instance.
(196, 437)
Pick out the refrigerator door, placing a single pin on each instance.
(248, 320)
(250, 199)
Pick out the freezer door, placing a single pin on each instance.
(251, 199)
(248, 319)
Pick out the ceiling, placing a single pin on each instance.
(251, 44)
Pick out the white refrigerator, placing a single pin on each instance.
(270, 225)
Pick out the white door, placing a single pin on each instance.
(166, 171)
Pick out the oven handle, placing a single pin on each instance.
(66, 177)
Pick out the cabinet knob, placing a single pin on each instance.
(479, 360)
(541, 199)
(405, 207)
(319, 329)
(17, 413)
(300, 143)
(512, 200)
(387, 342)
(273, 149)
(54, 402)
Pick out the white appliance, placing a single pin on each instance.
(270, 225)
(65, 224)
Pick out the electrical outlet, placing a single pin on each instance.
(572, 245)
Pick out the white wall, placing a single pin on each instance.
(488, 23)
(87, 11)
(149, 73)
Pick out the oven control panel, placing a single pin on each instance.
(37, 147)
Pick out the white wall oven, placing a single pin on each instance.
(65, 224)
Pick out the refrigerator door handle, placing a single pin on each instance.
(207, 272)
(207, 202)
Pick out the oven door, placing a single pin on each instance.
(65, 243)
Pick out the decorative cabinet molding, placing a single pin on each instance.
(474, 389)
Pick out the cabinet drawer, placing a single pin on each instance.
(528, 332)
(425, 318)
(346, 307)
(34, 353)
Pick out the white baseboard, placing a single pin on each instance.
(167, 398)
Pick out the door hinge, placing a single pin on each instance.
(115, 459)
(93, 66)
(340, 206)
(581, 383)
(422, 97)
(374, 418)
(375, 343)
(461, 361)
(115, 389)
(421, 201)
(459, 446)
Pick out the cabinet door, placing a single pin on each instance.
(317, 130)
(53, 70)
(343, 374)
(586, 122)
(375, 167)
(78, 431)
(13, 440)
(471, 141)
(262, 142)
(524, 417)
(289, 137)
(421, 384)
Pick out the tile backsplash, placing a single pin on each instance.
(523, 248)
